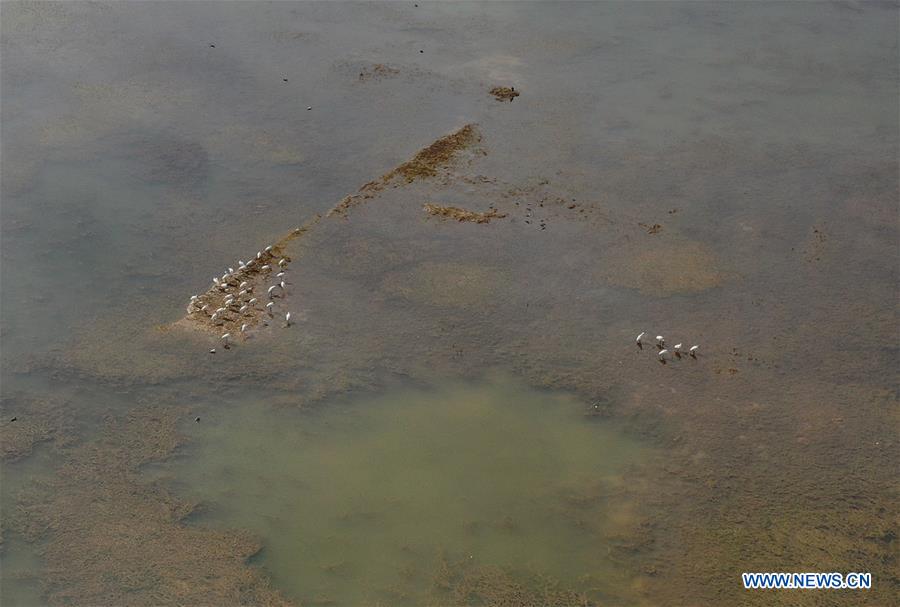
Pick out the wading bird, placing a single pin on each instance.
(638, 340)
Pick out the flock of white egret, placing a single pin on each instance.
(664, 354)
(239, 302)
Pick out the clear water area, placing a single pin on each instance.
(369, 500)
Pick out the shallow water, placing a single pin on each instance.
(362, 501)
(147, 146)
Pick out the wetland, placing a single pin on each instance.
(457, 413)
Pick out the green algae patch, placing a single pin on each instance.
(483, 492)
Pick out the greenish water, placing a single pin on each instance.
(360, 502)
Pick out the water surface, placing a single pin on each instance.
(363, 501)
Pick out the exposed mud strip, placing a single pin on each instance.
(243, 298)
(462, 214)
(426, 163)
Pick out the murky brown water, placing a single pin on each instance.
(723, 174)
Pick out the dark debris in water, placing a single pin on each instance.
(504, 93)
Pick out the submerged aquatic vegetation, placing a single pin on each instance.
(666, 267)
(26, 421)
(463, 582)
(111, 538)
(449, 283)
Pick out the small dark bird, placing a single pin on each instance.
(421, 51)
(212, 46)
(285, 79)
(13, 419)
(197, 419)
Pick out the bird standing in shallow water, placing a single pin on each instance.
(693, 351)
(638, 340)
(677, 349)
(660, 342)
(287, 319)
(663, 355)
